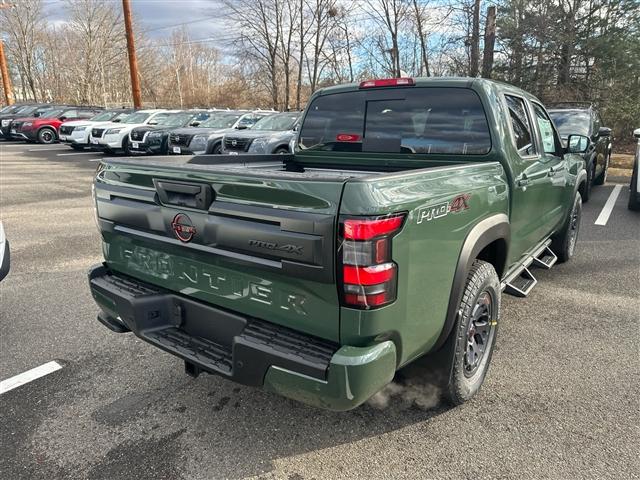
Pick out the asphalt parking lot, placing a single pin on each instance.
(561, 400)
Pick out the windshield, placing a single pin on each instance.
(571, 122)
(102, 117)
(428, 120)
(174, 119)
(280, 122)
(51, 113)
(26, 110)
(139, 117)
(226, 120)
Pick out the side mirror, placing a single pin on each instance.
(117, 120)
(577, 144)
(62, 119)
(194, 124)
(296, 127)
(604, 132)
(242, 126)
(636, 133)
(152, 122)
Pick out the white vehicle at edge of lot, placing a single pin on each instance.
(114, 137)
(4, 254)
(634, 187)
(77, 133)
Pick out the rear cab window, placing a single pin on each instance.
(415, 120)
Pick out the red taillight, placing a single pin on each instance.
(369, 276)
(366, 229)
(388, 82)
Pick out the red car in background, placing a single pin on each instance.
(44, 129)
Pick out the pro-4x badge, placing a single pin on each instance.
(458, 204)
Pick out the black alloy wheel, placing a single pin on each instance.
(478, 333)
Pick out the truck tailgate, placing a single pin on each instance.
(257, 245)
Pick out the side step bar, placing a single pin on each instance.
(521, 281)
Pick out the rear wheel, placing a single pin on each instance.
(563, 244)
(281, 151)
(47, 135)
(475, 333)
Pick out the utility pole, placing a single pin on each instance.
(4, 70)
(131, 50)
(6, 81)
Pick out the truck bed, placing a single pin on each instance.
(266, 165)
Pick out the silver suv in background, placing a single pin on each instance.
(207, 137)
(270, 135)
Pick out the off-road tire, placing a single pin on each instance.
(47, 136)
(634, 196)
(564, 242)
(586, 193)
(481, 280)
(602, 178)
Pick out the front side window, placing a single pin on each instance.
(420, 120)
(521, 125)
(548, 134)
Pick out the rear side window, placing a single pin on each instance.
(405, 120)
(521, 125)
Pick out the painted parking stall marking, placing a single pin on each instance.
(28, 376)
(76, 153)
(603, 218)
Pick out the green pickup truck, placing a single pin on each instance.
(406, 209)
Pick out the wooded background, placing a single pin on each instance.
(275, 53)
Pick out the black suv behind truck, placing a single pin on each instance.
(584, 118)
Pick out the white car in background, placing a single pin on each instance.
(4, 254)
(634, 193)
(114, 137)
(76, 133)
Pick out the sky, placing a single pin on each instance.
(154, 15)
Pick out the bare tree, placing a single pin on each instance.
(23, 25)
(261, 25)
(390, 14)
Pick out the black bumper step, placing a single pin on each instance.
(207, 338)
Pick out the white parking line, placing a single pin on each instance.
(61, 147)
(603, 218)
(95, 159)
(28, 376)
(76, 153)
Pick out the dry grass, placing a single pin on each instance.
(621, 161)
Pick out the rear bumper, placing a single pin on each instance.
(243, 349)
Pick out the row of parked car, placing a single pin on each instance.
(152, 132)
(219, 131)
